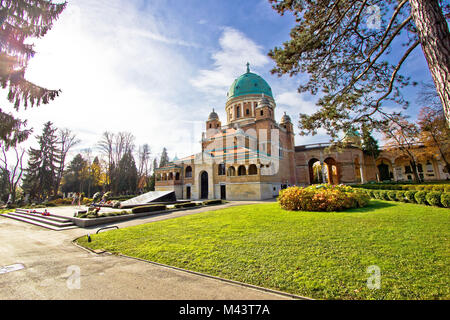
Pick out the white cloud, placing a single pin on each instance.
(229, 62)
(294, 102)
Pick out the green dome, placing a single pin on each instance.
(249, 83)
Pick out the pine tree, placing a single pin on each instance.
(43, 163)
(74, 178)
(164, 158)
(127, 174)
(370, 145)
(20, 20)
(343, 46)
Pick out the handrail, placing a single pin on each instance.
(110, 227)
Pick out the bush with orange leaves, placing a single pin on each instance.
(323, 197)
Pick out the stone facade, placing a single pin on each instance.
(253, 156)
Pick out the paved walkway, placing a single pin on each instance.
(51, 263)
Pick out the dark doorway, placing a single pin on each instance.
(223, 192)
(188, 192)
(204, 185)
(384, 172)
(315, 171)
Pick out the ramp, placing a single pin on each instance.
(149, 197)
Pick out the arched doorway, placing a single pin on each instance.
(332, 171)
(315, 171)
(204, 185)
(385, 171)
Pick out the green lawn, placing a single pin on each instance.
(319, 255)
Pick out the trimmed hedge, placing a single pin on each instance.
(400, 196)
(185, 205)
(427, 197)
(211, 202)
(445, 199)
(410, 196)
(434, 198)
(150, 208)
(444, 187)
(421, 197)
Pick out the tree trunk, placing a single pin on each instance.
(434, 37)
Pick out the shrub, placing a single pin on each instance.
(211, 202)
(434, 198)
(392, 195)
(445, 199)
(400, 195)
(370, 193)
(410, 196)
(322, 198)
(185, 205)
(384, 195)
(420, 197)
(149, 208)
(377, 194)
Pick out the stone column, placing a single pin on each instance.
(322, 165)
(361, 164)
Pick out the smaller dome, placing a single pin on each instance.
(285, 118)
(213, 116)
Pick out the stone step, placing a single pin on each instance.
(44, 219)
(50, 217)
(35, 222)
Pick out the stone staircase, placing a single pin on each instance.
(36, 218)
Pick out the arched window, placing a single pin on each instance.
(242, 171)
(177, 176)
(231, 172)
(164, 177)
(170, 176)
(188, 172)
(252, 169)
(238, 112)
(247, 112)
(221, 169)
(262, 112)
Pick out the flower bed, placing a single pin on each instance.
(322, 197)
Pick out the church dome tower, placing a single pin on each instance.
(245, 95)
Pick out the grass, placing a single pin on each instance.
(319, 255)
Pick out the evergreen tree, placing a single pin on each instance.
(127, 174)
(75, 179)
(41, 173)
(370, 145)
(19, 21)
(344, 47)
(4, 182)
(164, 158)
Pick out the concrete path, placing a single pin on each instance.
(52, 264)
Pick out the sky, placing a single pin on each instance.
(157, 68)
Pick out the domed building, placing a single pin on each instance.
(253, 157)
